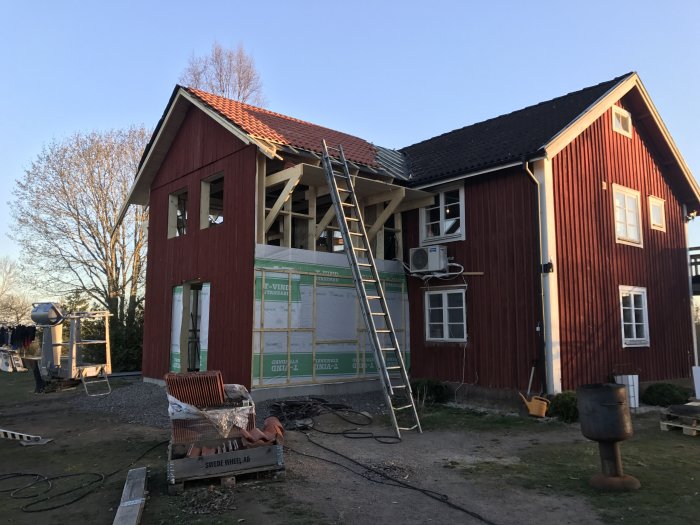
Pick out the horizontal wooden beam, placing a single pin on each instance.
(416, 203)
(284, 175)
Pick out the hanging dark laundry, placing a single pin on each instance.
(17, 336)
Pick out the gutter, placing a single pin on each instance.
(540, 329)
(690, 286)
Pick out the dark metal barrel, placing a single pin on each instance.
(604, 412)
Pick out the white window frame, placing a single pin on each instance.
(440, 202)
(444, 292)
(624, 239)
(661, 204)
(620, 115)
(634, 341)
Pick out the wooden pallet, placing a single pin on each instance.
(227, 480)
(689, 425)
(223, 467)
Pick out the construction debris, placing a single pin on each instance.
(214, 432)
(25, 440)
(133, 498)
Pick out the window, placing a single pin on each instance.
(622, 121)
(445, 315)
(635, 323)
(627, 219)
(657, 215)
(211, 209)
(444, 220)
(177, 214)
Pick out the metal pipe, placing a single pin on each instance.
(543, 331)
(690, 284)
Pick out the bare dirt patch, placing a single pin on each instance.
(506, 470)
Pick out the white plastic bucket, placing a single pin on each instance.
(632, 384)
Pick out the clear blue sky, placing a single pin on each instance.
(393, 73)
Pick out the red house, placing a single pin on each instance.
(563, 225)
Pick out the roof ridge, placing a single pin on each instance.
(244, 105)
(613, 81)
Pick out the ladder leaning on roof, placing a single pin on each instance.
(374, 306)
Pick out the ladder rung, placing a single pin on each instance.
(367, 265)
(369, 280)
(404, 407)
(343, 189)
(373, 297)
(355, 234)
(347, 204)
(393, 367)
(378, 313)
(383, 331)
(398, 386)
(388, 349)
(360, 249)
(352, 219)
(409, 428)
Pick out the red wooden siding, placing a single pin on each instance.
(222, 255)
(504, 304)
(591, 265)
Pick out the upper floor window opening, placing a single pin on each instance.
(177, 214)
(212, 202)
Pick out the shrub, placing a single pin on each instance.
(665, 394)
(563, 406)
(430, 391)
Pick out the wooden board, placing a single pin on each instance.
(133, 498)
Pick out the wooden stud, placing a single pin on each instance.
(287, 224)
(398, 235)
(311, 229)
(261, 166)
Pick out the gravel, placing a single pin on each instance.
(145, 404)
(137, 402)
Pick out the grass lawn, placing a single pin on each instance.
(666, 463)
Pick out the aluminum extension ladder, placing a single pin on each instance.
(374, 306)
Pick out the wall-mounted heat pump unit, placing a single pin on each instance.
(428, 259)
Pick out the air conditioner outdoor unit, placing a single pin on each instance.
(428, 259)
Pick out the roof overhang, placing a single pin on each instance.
(652, 127)
(166, 131)
(370, 191)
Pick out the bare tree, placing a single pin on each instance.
(8, 275)
(225, 72)
(15, 308)
(65, 210)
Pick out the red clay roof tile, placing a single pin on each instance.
(281, 129)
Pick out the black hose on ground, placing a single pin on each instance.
(299, 415)
(93, 482)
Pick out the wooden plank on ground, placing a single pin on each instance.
(133, 498)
